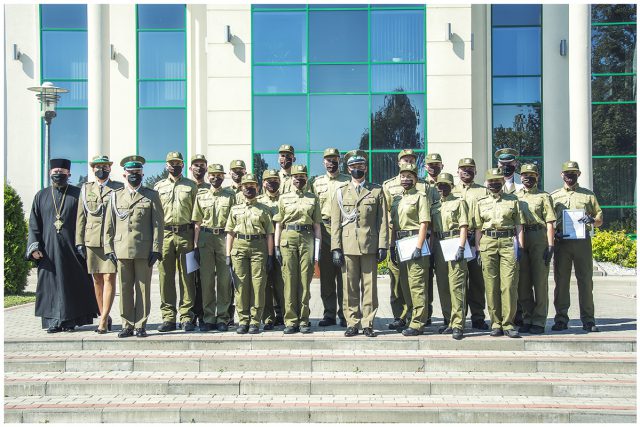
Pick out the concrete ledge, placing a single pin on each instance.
(166, 365)
(98, 364)
(88, 388)
(38, 345)
(25, 389)
(594, 389)
(277, 363)
(62, 415)
(34, 365)
(436, 364)
(568, 345)
(479, 344)
(367, 413)
(599, 417)
(222, 387)
(338, 364)
(271, 387)
(516, 415)
(608, 366)
(12, 417)
(243, 414)
(400, 387)
(141, 415)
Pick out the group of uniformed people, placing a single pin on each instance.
(257, 248)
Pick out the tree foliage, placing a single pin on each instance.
(16, 268)
(150, 181)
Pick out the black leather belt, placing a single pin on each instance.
(299, 227)
(498, 233)
(406, 233)
(178, 228)
(213, 230)
(445, 234)
(250, 236)
(534, 227)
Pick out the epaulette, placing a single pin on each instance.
(555, 191)
(483, 197)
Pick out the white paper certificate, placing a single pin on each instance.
(450, 249)
(572, 228)
(192, 264)
(407, 245)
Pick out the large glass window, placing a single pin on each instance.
(516, 70)
(345, 76)
(613, 95)
(63, 31)
(161, 85)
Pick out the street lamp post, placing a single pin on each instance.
(48, 95)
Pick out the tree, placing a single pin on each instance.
(16, 267)
(150, 181)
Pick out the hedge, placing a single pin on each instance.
(614, 246)
(16, 268)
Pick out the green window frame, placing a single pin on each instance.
(181, 147)
(627, 101)
(308, 150)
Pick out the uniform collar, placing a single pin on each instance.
(272, 195)
(250, 201)
(105, 183)
(574, 188)
(449, 197)
(361, 185)
(498, 195)
(465, 185)
(410, 191)
(532, 190)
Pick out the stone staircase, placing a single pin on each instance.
(323, 377)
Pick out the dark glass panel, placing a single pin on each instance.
(385, 165)
(278, 6)
(516, 14)
(162, 94)
(154, 172)
(338, 78)
(516, 51)
(338, 36)
(614, 129)
(397, 35)
(64, 54)
(262, 162)
(620, 219)
(338, 121)
(316, 164)
(516, 89)
(63, 16)
(161, 131)
(613, 12)
(161, 55)
(397, 78)
(538, 162)
(279, 120)
(161, 16)
(285, 79)
(79, 174)
(612, 49)
(518, 127)
(77, 95)
(69, 135)
(614, 181)
(336, 6)
(397, 121)
(613, 88)
(279, 37)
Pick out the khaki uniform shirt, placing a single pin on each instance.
(212, 207)
(250, 217)
(270, 201)
(92, 212)
(410, 210)
(177, 199)
(498, 212)
(449, 214)
(140, 231)
(369, 231)
(575, 198)
(470, 193)
(325, 186)
(298, 207)
(536, 206)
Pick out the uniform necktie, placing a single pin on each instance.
(358, 187)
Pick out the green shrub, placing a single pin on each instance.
(383, 267)
(16, 268)
(614, 246)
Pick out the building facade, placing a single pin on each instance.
(554, 81)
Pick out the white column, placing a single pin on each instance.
(579, 48)
(95, 77)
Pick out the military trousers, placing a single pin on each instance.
(441, 269)
(414, 274)
(249, 260)
(457, 275)
(174, 257)
(215, 280)
(400, 298)
(135, 292)
(360, 290)
(500, 271)
(578, 253)
(297, 271)
(274, 295)
(533, 284)
(330, 278)
(475, 290)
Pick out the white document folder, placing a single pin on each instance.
(407, 245)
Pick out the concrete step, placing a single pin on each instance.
(319, 383)
(321, 361)
(328, 408)
(327, 341)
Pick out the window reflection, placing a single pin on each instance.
(262, 162)
(338, 121)
(77, 95)
(279, 120)
(397, 121)
(161, 16)
(69, 135)
(64, 54)
(385, 166)
(154, 172)
(161, 94)
(279, 37)
(613, 49)
(285, 79)
(614, 181)
(516, 51)
(613, 88)
(161, 55)
(338, 78)
(338, 36)
(516, 14)
(518, 127)
(397, 35)
(518, 89)
(63, 16)
(614, 130)
(397, 78)
(161, 131)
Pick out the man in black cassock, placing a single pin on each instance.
(64, 297)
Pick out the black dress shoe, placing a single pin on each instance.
(254, 329)
(230, 322)
(167, 326)
(480, 325)
(327, 321)
(188, 326)
(126, 332)
(535, 329)
(278, 321)
(343, 322)
(428, 322)
(305, 329)
(54, 329)
(101, 331)
(141, 333)
(290, 330)
(222, 327)
(410, 332)
(268, 327)
(559, 326)
(512, 333)
(205, 327)
(68, 329)
(456, 334)
(369, 332)
(445, 329)
(351, 332)
(496, 332)
(397, 324)
(590, 327)
(525, 328)
(242, 329)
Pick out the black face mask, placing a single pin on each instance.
(286, 163)
(434, 169)
(495, 187)
(333, 167)
(570, 178)
(102, 174)
(272, 186)
(249, 192)
(529, 181)
(175, 170)
(444, 190)
(467, 177)
(198, 173)
(357, 173)
(59, 179)
(299, 183)
(134, 179)
(508, 170)
(216, 182)
(407, 184)
(236, 176)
